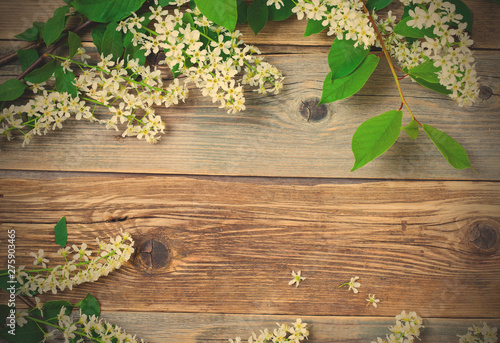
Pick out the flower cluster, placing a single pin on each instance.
(283, 333)
(479, 334)
(90, 327)
(127, 89)
(130, 91)
(47, 111)
(80, 266)
(344, 19)
(407, 328)
(446, 45)
(208, 55)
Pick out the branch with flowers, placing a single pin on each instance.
(431, 43)
(42, 321)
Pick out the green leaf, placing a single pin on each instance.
(43, 73)
(105, 11)
(452, 151)
(27, 57)
(313, 27)
(90, 306)
(187, 18)
(242, 11)
(461, 8)
(257, 15)
(65, 81)
(4, 280)
(112, 41)
(377, 4)
(52, 308)
(55, 25)
(346, 86)
(403, 29)
(74, 42)
(31, 34)
(437, 87)
(375, 136)
(135, 52)
(4, 313)
(11, 89)
(425, 71)
(412, 129)
(283, 13)
(221, 12)
(28, 333)
(61, 232)
(344, 57)
(97, 34)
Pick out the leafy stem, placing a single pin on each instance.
(52, 49)
(76, 264)
(388, 57)
(81, 334)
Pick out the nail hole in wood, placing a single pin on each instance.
(485, 93)
(311, 112)
(153, 254)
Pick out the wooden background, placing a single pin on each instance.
(226, 206)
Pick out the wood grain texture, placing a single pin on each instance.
(230, 245)
(273, 138)
(17, 16)
(190, 328)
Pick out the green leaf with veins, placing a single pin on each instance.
(375, 136)
(346, 86)
(221, 12)
(452, 151)
(344, 58)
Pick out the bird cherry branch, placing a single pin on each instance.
(388, 57)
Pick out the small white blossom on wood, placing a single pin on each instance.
(371, 300)
(353, 284)
(296, 278)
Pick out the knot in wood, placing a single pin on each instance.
(310, 110)
(153, 254)
(483, 236)
(485, 93)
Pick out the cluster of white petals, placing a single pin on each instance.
(80, 266)
(128, 90)
(482, 333)
(407, 328)
(295, 333)
(344, 19)
(208, 55)
(446, 45)
(91, 327)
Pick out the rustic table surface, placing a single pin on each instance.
(226, 206)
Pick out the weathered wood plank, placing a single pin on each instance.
(190, 327)
(18, 16)
(273, 137)
(432, 247)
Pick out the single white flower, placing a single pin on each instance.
(371, 300)
(296, 278)
(353, 284)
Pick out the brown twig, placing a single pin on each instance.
(12, 56)
(52, 49)
(388, 58)
(26, 300)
